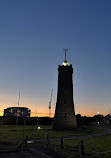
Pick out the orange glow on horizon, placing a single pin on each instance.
(46, 114)
(41, 108)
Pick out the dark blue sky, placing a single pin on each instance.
(32, 37)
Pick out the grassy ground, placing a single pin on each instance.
(94, 147)
(16, 132)
(10, 136)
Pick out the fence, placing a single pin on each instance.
(22, 146)
(81, 147)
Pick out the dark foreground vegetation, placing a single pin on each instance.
(37, 130)
(12, 135)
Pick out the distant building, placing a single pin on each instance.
(17, 111)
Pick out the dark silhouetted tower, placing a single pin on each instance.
(64, 112)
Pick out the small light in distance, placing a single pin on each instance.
(38, 128)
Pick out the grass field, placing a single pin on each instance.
(10, 136)
(94, 147)
(16, 132)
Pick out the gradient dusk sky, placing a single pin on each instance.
(33, 34)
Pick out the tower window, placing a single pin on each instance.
(65, 115)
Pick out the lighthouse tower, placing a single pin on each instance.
(64, 113)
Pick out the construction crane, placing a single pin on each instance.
(50, 103)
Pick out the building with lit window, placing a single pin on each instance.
(17, 111)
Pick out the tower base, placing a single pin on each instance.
(61, 123)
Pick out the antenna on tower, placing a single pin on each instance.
(66, 50)
(50, 103)
(18, 109)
